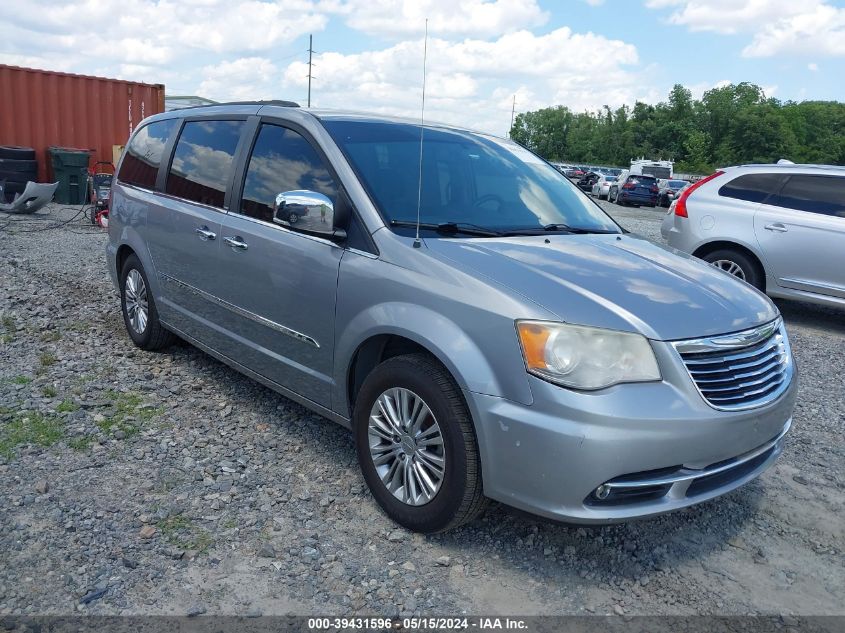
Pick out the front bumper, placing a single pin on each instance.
(549, 458)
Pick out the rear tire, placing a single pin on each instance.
(739, 265)
(458, 497)
(139, 309)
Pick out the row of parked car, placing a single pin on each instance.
(623, 187)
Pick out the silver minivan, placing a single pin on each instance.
(484, 329)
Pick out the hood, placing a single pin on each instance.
(619, 282)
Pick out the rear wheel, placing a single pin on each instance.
(738, 264)
(416, 445)
(139, 309)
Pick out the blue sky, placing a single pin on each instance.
(578, 53)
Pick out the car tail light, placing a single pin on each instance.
(653, 189)
(628, 185)
(681, 203)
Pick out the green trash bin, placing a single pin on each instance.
(70, 170)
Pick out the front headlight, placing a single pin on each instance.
(585, 357)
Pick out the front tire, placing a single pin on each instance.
(739, 265)
(416, 445)
(139, 309)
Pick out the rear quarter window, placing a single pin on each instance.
(144, 153)
(753, 187)
(824, 195)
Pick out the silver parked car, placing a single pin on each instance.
(601, 188)
(484, 329)
(779, 227)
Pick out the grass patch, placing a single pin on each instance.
(20, 380)
(81, 442)
(29, 427)
(182, 533)
(67, 406)
(7, 338)
(84, 379)
(127, 405)
(47, 359)
(8, 322)
(77, 326)
(51, 336)
(49, 391)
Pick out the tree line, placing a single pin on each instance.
(729, 125)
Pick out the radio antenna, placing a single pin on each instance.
(417, 242)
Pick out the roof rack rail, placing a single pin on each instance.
(274, 102)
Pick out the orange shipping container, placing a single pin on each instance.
(41, 108)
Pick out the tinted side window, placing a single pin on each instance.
(144, 153)
(752, 187)
(282, 160)
(202, 162)
(817, 194)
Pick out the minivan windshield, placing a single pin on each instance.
(468, 180)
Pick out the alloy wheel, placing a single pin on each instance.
(137, 307)
(730, 267)
(406, 446)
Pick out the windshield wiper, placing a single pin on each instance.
(577, 229)
(559, 227)
(450, 228)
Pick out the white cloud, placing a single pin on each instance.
(240, 80)
(146, 32)
(813, 67)
(777, 26)
(728, 16)
(481, 53)
(396, 19)
(472, 82)
(817, 32)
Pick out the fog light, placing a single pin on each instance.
(602, 492)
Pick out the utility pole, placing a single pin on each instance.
(310, 53)
(513, 110)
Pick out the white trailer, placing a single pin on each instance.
(660, 169)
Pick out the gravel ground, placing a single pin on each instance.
(138, 483)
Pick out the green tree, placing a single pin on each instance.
(730, 124)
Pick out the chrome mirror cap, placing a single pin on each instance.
(306, 210)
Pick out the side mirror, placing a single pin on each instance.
(308, 211)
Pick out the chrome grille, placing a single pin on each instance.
(742, 370)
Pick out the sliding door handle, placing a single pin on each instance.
(205, 234)
(236, 243)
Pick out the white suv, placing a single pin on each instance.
(779, 227)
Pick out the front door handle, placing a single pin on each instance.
(777, 227)
(205, 234)
(236, 243)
